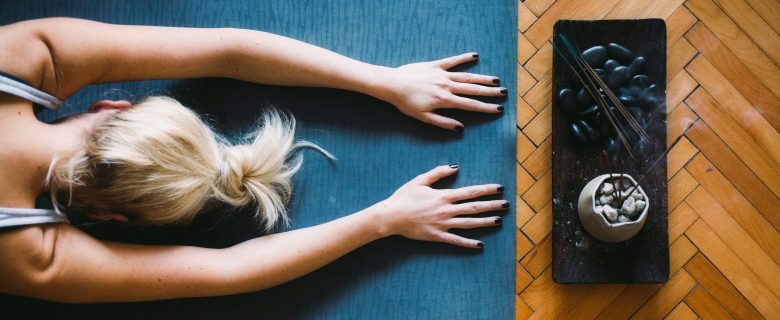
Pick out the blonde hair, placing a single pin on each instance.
(159, 163)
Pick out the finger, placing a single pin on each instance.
(477, 90)
(466, 77)
(450, 62)
(469, 104)
(435, 174)
(441, 121)
(473, 223)
(478, 207)
(472, 192)
(457, 240)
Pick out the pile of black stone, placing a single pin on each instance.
(621, 70)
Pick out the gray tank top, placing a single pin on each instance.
(13, 217)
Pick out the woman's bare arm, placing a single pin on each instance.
(62, 263)
(72, 53)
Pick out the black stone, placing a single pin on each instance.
(595, 56)
(630, 91)
(620, 53)
(567, 98)
(612, 145)
(601, 73)
(610, 65)
(584, 99)
(591, 134)
(617, 77)
(636, 113)
(640, 81)
(638, 65)
(576, 131)
(589, 111)
(648, 98)
(627, 100)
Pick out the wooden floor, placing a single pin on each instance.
(724, 175)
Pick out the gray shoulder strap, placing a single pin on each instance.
(12, 217)
(13, 86)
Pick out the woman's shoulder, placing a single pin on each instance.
(29, 246)
(26, 56)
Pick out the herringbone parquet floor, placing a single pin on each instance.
(724, 175)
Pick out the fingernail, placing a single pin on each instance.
(504, 91)
(496, 80)
(499, 220)
(500, 189)
(480, 244)
(505, 205)
(500, 108)
(476, 55)
(459, 128)
(454, 165)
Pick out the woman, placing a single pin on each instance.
(156, 162)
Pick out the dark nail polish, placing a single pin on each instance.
(481, 245)
(476, 55)
(500, 108)
(454, 165)
(459, 128)
(504, 91)
(499, 220)
(496, 80)
(500, 189)
(505, 205)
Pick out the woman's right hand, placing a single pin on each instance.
(417, 211)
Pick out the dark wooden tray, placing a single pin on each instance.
(577, 256)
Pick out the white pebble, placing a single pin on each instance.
(640, 205)
(599, 209)
(637, 196)
(607, 188)
(605, 199)
(622, 218)
(611, 213)
(629, 206)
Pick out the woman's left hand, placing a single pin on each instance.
(418, 89)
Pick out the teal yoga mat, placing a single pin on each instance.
(378, 149)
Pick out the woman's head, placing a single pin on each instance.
(157, 162)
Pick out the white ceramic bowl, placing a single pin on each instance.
(596, 223)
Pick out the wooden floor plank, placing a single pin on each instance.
(765, 102)
(540, 225)
(734, 269)
(540, 160)
(540, 194)
(705, 305)
(540, 64)
(680, 219)
(642, 9)
(677, 121)
(539, 96)
(736, 238)
(737, 41)
(594, 302)
(679, 156)
(667, 297)
(680, 186)
(524, 180)
(680, 252)
(525, 50)
(522, 279)
(679, 88)
(539, 259)
(524, 212)
(736, 205)
(525, 81)
(678, 56)
(540, 126)
(736, 171)
(524, 112)
(524, 147)
(522, 310)
(544, 293)
(524, 246)
(678, 24)
(541, 31)
(733, 103)
(525, 18)
(738, 140)
(721, 289)
(754, 26)
(769, 10)
(681, 312)
(538, 7)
